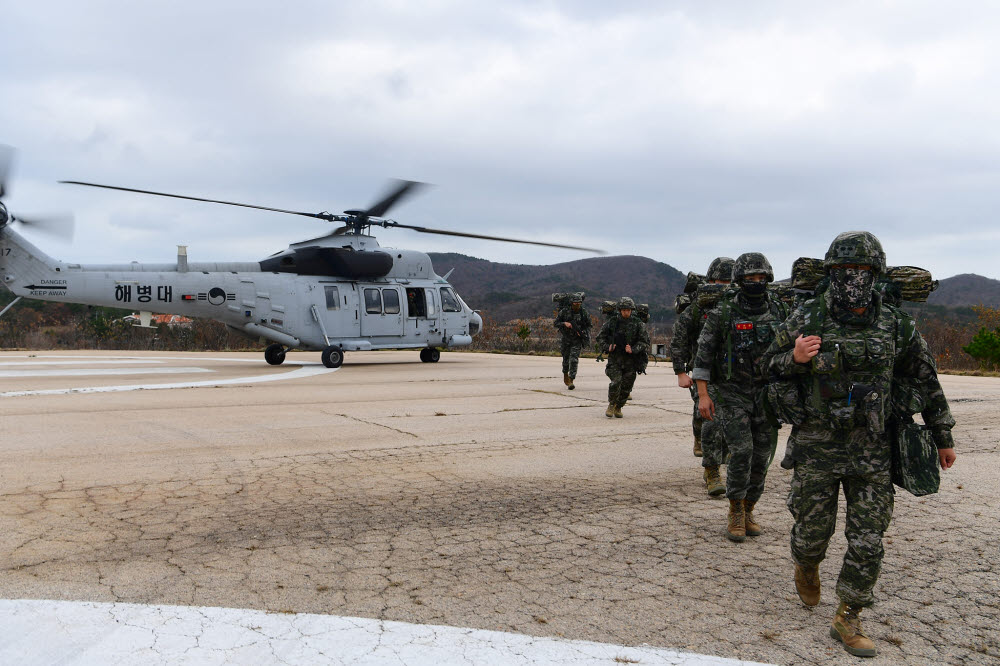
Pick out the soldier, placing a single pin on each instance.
(735, 336)
(626, 342)
(683, 345)
(573, 323)
(844, 352)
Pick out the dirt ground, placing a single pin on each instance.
(475, 492)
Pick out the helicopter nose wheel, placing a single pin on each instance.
(275, 354)
(430, 355)
(332, 356)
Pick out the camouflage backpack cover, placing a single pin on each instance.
(683, 302)
(694, 280)
(914, 284)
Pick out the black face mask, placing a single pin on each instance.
(852, 287)
(754, 291)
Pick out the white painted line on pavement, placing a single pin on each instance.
(96, 372)
(304, 371)
(80, 633)
(78, 362)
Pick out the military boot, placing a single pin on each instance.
(697, 447)
(737, 530)
(610, 411)
(847, 629)
(571, 385)
(618, 411)
(714, 481)
(566, 379)
(753, 528)
(807, 584)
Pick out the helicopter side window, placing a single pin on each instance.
(449, 303)
(390, 299)
(332, 298)
(373, 301)
(416, 302)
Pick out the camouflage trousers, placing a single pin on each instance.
(571, 346)
(697, 423)
(713, 446)
(812, 500)
(621, 370)
(750, 439)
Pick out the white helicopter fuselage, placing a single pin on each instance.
(407, 307)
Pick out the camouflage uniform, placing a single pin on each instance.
(839, 436)
(573, 339)
(622, 367)
(735, 336)
(684, 346)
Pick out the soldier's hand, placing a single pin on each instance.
(628, 349)
(947, 457)
(684, 380)
(567, 324)
(806, 346)
(706, 408)
(611, 348)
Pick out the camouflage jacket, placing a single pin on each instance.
(633, 332)
(845, 391)
(732, 343)
(684, 339)
(580, 321)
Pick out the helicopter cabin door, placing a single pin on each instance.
(339, 309)
(381, 310)
(421, 313)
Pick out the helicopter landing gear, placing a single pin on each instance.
(332, 356)
(430, 355)
(275, 354)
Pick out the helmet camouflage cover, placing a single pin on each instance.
(752, 263)
(626, 303)
(856, 247)
(721, 268)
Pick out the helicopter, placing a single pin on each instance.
(335, 293)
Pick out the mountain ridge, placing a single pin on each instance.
(508, 291)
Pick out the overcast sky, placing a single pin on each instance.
(674, 130)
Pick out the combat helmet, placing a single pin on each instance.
(856, 247)
(721, 268)
(752, 263)
(626, 303)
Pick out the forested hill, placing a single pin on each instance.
(966, 289)
(513, 291)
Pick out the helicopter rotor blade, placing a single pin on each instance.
(320, 216)
(403, 189)
(58, 226)
(6, 159)
(426, 230)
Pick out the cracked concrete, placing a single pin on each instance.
(522, 509)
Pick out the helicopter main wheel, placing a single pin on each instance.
(430, 355)
(332, 356)
(275, 354)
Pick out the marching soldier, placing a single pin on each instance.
(844, 353)
(730, 388)
(573, 323)
(683, 345)
(625, 340)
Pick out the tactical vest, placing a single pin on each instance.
(850, 379)
(746, 340)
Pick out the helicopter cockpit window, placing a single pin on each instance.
(449, 303)
(373, 301)
(416, 303)
(332, 298)
(390, 300)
